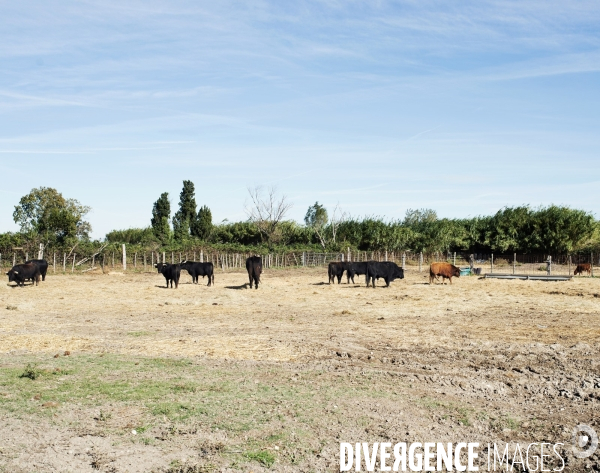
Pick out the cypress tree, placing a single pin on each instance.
(202, 225)
(161, 213)
(185, 216)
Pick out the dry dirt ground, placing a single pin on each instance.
(115, 373)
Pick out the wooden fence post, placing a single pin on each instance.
(404, 260)
(14, 259)
(549, 265)
(454, 259)
(64, 262)
(73, 267)
(201, 256)
(492, 263)
(420, 261)
(514, 263)
(124, 258)
(569, 265)
(54, 265)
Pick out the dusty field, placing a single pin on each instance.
(231, 378)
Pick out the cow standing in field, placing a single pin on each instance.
(254, 268)
(581, 268)
(445, 270)
(42, 264)
(171, 272)
(386, 270)
(21, 272)
(336, 269)
(199, 269)
(356, 269)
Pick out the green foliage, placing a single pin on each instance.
(561, 229)
(31, 371)
(132, 236)
(185, 216)
(202, 224)
(551, 229)
(161, 214)
(46, 214)
(263, 457)
(316, 216)
(316, 219)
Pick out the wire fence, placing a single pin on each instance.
(106, 260)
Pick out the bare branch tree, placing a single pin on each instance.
(267, 210)
(337, 217)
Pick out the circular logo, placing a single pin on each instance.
(585, 441)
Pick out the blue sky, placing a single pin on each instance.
(463, 107)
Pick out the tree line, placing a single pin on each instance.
(45, 216)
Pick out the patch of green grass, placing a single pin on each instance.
(504, 422)
(31, 371)
(464, 416)
(263, 457)
(141, 333)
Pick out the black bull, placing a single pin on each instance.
(385, 270)
(199, 269)
(171, 272)
(254, 268)
(21, 272)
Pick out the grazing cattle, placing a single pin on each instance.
(336, 269)
(171, 272)
(386, 270)
(445, 270)
(254, 268)
(583, 267)
(21, 272)
(42, 264)
(355, 269)
(199, 269)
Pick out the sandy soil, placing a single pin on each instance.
(528, 348)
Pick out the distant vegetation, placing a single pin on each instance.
(46, 217)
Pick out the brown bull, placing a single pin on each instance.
(581, 268)
(445, 270)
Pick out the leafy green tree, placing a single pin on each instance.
(133, 236)
(161, 213)
(45, 213)
(202, 224)
(316, 219)
(185, 216)
(560, 229)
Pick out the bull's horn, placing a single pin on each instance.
(15, 272)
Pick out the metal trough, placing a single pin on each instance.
(530, 277)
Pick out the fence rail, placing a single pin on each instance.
(135, 261)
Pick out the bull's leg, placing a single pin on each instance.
(450, 278)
